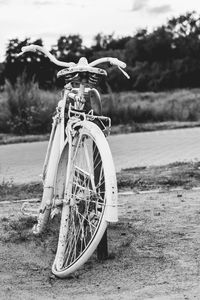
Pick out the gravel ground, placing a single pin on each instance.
(154, 254)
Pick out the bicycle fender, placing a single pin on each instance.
(111, 212)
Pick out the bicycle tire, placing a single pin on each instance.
(83, 223)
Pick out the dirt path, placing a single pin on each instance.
(155, 254)
(23, 162)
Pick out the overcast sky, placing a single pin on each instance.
(48, 19)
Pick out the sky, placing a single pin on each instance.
(49, 19)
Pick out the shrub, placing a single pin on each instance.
(30, 108)
(4, 113)
(131, 107)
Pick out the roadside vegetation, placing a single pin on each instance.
(26, 111)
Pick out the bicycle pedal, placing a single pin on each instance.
(29, 209)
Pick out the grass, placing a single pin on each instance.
(178, 105)
(129, 111)
(14, 139)
(141, 127)
(180, 174)
(27, 109)
(10, 191)
(185, 175)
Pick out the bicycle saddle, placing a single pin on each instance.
(81, 67)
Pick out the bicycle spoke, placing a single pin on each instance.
(79, 233)
(87, 194)
(89, 166)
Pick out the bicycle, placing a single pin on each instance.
(79, 179)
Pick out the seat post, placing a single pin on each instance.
(80, 103)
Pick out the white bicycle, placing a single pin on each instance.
(78, 175)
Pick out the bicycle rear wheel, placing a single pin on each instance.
(83, 220)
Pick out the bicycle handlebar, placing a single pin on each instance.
(34, 48)
(113, 61)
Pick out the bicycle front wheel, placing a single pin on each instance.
(83, 220)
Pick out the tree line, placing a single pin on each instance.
(166, 58)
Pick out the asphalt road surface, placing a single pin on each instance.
(23, 162)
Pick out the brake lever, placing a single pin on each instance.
(125, 74)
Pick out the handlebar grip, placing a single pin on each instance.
(117, 62)
(31, 48)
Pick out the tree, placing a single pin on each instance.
(135, 49)
(14, 66)
(109, 42)
(68, 48)
(101, 41)
(34, 65)
(155, 46)
(185, 31)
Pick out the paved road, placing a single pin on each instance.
(23, 162)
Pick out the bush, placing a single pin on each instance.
(130, 107)
(30, 109)
(4, 113)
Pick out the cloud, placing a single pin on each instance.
(49, 2)
(147, 5)
(160, 9)
(4, 2)
(139, 5)
(42, 2)
(53, 2)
